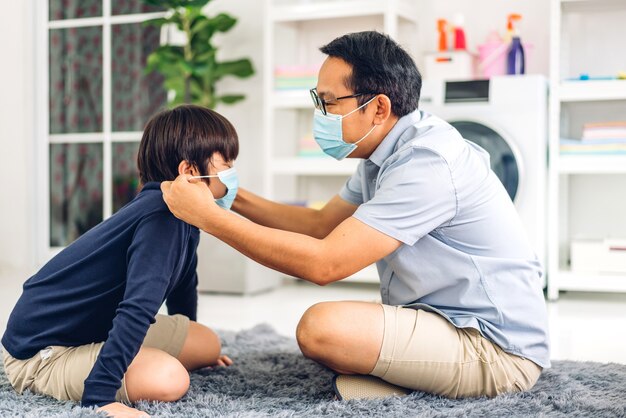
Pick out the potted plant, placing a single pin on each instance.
(192, 70)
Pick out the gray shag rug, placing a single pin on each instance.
(271, 378)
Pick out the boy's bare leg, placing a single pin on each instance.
(156, 376)
(202, 348)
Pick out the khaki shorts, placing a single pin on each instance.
(423, 351)
(60, 372)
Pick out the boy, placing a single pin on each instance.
(82, 328)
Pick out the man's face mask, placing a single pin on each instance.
(328, 133)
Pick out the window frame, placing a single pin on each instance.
(107, 138)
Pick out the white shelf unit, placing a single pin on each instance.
(294, 31)
(586, 192)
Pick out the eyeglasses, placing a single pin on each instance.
(321, 103)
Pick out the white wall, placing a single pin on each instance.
(484, 16)
(17, 152)
(245, 40)
(17, 163)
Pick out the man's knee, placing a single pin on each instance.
(313, 329)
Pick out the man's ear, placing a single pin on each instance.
(185, 168)
(383, 109)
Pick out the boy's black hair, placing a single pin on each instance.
(187, 132)
(381, 66)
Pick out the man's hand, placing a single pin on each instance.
(189, 200)
(119, 410)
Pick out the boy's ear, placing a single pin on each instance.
(185, 168)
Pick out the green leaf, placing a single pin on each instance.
(200, 69)
(160, 21)
(231, 98)
(200, 24)
(206, 56)
(195, 3)
(223, 22)
(239, 68)
(157, 2)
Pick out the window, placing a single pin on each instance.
(96, 102)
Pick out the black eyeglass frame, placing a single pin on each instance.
(320, 103)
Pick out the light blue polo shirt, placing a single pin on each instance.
(465, 253)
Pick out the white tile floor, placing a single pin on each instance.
(583, 326)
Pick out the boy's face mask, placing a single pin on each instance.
(230, 179)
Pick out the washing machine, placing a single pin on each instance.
(507, 116)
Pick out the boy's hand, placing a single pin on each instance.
(223, 361)
(119, 410)
(189, 199)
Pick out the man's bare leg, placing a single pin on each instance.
(345, 336)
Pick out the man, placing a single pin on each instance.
(463, 312)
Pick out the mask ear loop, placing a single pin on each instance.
(204, 177)
(370, 131)
(360, 107)
(366, 135)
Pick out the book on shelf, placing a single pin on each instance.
(295, 77)
(600, 138)
(604, 130)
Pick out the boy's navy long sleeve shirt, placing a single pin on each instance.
(107, 287)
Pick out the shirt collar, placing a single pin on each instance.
(151, 185)
(388, 144)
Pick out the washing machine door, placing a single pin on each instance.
(503, 160)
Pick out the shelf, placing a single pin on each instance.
(591, 5)
(292, 99)
(592, 90)
(332, 9)
(592, 164)
(314, 166)
(589, 282)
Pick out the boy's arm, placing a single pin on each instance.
(184, 298)
(153, 259)
(312, 222)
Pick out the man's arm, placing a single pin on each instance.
(307, 221)
(351, 246)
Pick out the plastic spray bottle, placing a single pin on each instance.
(459, 33)
(516, 61)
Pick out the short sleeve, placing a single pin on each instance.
(352, 190)
(414, 196)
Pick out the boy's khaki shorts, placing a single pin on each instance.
(423, 351)
(60, 372)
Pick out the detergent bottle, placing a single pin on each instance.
(460, 43)
(516, 62)
(442, 25)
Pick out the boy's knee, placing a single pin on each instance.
(172, 381)
(210, 341)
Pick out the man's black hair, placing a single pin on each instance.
(381, 66)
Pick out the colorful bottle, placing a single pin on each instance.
(516, 61)
(443, 35)
(460, 43)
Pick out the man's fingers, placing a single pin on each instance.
(166, 186)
